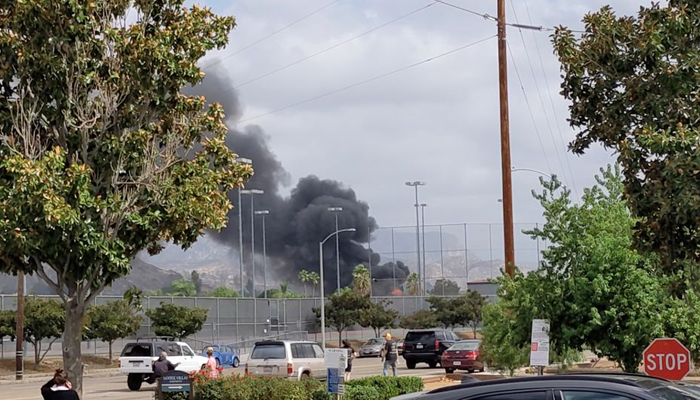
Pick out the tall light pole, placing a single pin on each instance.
(337, 210)
(415, 184)
(240, 224)
(323, 296)
(422, 213)
(252, 193)
(263, 213)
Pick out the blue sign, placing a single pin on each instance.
(333, 380)
(175, 381)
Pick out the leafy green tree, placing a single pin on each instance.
(223, 291)
(43, 319)
(197, 282)
(631, 83)
(378, 316)
(7, 324)
(112, 321)
(445, 287)
(444, 311)
(101, 156)
(304, 278)
(361, 280)
(176, 321)
(474, 304)
(282, 293)
(343, 310)
(182, 288)
(420, 319)
(505, 348)
(412, 285)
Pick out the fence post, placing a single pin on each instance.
(466, 258)
(393, 258)
(491, 251)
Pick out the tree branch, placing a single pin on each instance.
(42, 274)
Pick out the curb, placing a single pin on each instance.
(31, 378)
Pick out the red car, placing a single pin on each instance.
(463, 355)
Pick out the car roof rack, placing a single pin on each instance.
(155, 339)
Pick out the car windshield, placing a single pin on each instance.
(268, 351)
(466, 346)
(420, 336)
(374, 341)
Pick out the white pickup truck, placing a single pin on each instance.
(137, 359)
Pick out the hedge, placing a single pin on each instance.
(255, 388)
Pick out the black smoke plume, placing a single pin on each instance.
(296, 224)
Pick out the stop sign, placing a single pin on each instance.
(667, 359)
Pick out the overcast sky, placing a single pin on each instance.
(437, 122)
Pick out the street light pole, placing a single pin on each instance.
(532, 170)
(252, 193)
(323, 296)
(415, 184)
(422, 211)
(263, 213)
(337, 210)
(240, 225)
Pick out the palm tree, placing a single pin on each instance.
(314, 278)
(361, 280)
(304, 278)
(411, 284)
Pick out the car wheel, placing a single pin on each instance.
(483, 368)
(305, 376)
(471, 371)
(410, 364)
(449, 370)
(236, 362)
(134, 381)
(432, 364)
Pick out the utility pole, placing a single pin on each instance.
(508, 239)
(19, 330)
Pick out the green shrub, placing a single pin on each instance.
(389, 386)
(253, 388)
(362, 393)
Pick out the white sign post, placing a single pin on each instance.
(539, 345)
(336, 362)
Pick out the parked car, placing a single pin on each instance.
(563, 387)
(373, 348)
(224, 355)
(287, 358)
(427, 346)
(137, 358)
(399, 345)
(463, 355)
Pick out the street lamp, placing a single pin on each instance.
(337, 210)
(532, 170)
(415, 184)
(323, 296)
(263, 213)
(422, 212)
(240, 223)
(252, 193)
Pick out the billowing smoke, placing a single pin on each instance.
(296, 224)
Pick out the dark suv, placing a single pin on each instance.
(426, 345)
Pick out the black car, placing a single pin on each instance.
(564, 387)
(427, 346)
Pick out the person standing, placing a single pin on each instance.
(212, 366)
(390, 354)
(351, 356)
(161, 366)
(59, 388)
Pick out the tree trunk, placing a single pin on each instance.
(72, 357)
(110, 353)
(37, 352)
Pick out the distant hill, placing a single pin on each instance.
(143, 275)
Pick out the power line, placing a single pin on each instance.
(334, 46)
(539, 95)
(427, 60)
(551, 100)
(318, 10)
(529, 109)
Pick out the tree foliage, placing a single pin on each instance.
(343, 310)
(197, 282)
(114, 320)
(632, 86)
(8, 324)
(378, 316)
(282, 293)
(182, 288)
(101, 156)
(412, 285)
(445, 287)
(176, 321)
(223, 291)
(361, 280)
(419, 320)
(43, 319)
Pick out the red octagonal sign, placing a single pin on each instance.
(668, 359)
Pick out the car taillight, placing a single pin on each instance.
(290, 369)
(437, 344)
(403, 345)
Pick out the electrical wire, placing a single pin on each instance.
(529, 108)
(342, 89)
(335, 46)
(244, 48)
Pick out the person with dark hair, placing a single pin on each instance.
(59, 388)
(351, 356)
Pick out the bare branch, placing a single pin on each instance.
(54, 285)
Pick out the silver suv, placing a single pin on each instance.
(287, 358)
